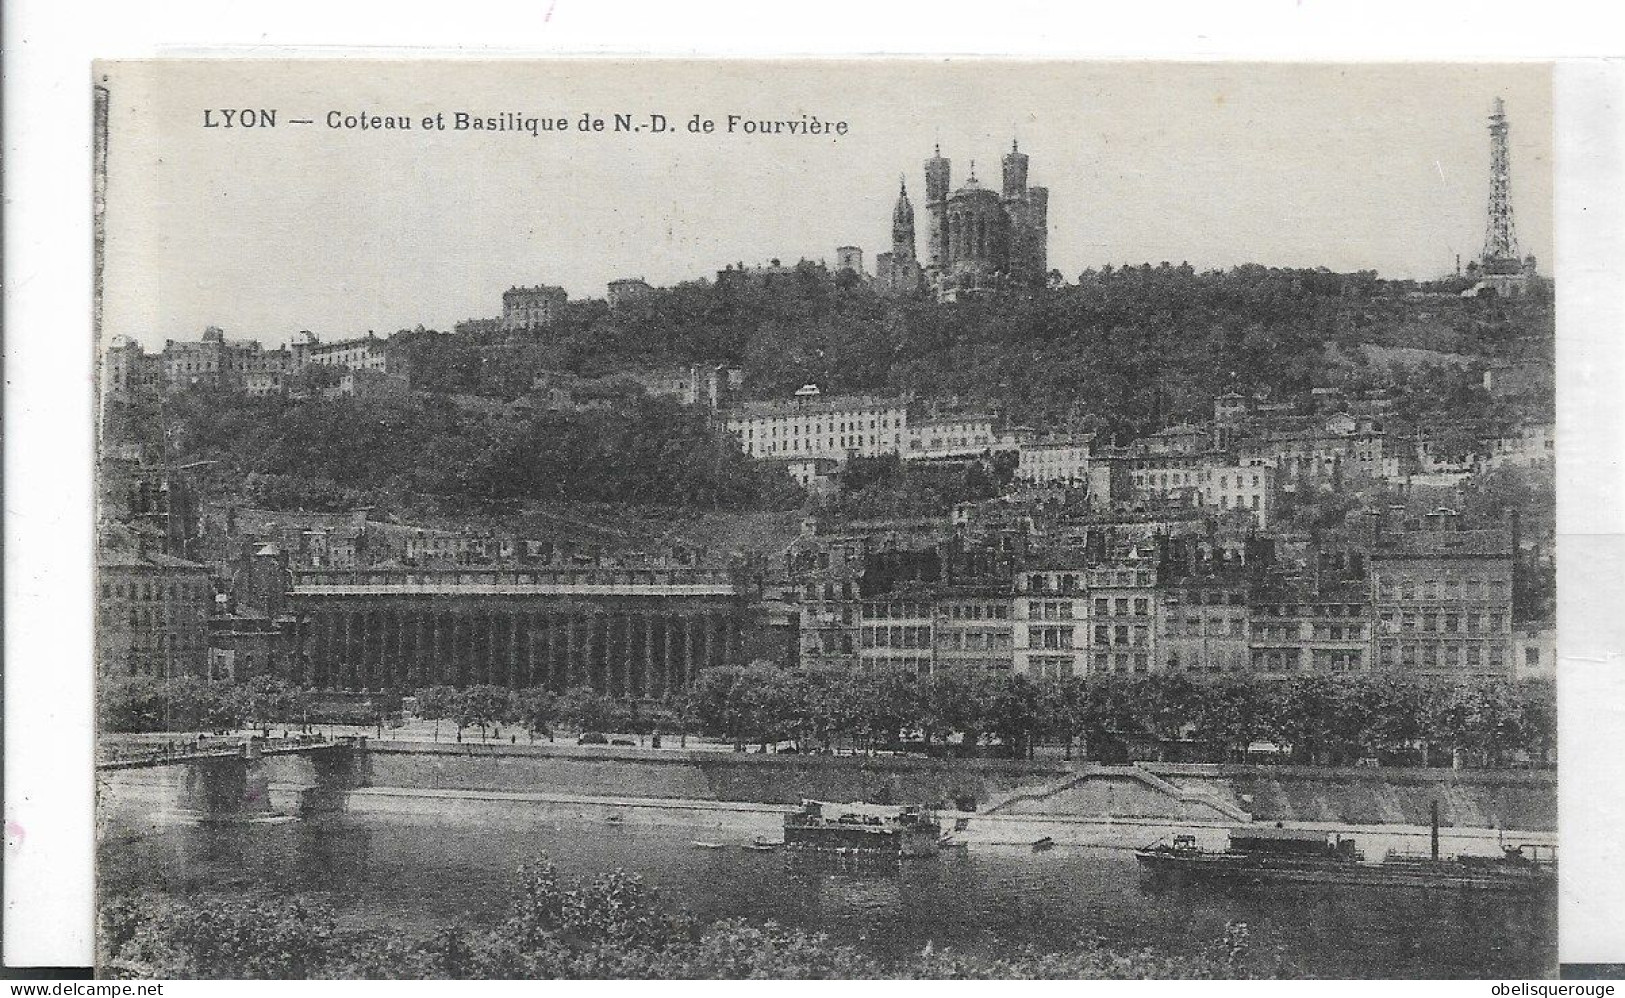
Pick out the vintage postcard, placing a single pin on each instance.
(887, 518)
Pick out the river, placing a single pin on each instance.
(418, 871)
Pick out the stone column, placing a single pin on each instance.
(602, 626)
(455, 647)
(437, 659)
(491, 645)
(667, 653)
(648, 654)
(321, 654)
(571, 671)
(421, 656)
(341, 667)
(516, 675)
(531, 622)
(709, 626)
(687, 669)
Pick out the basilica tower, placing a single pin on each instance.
(936, 211)
(902, 225)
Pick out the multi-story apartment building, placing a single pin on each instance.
(532, 307)
(974, 630)
(1343, 445)
(1202, 625)
(1301, 629)
(1443, 599)
(1530, 446)
(896, 631)
(241, 365)
(1168, 473)
(153, 610)
(1057, 458)
(1050, 618)
(363, 353)
(1235, 487)
(816, 425)
(826, 574)
(1123, 612)
(946, 438)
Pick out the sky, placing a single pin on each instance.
(267, 231)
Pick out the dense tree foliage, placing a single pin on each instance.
(1316, 719)
(1122, 352)
(610, 926)
(1124, 349)
(330, 454)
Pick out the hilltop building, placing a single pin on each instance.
(532, 308)
(816, 425)
(976, 236)
(626, 289)
(899, 272)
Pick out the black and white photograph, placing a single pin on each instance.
(882, 518)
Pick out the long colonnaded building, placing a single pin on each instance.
(637, 633)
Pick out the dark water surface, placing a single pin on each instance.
(418, 871)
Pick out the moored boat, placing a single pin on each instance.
(862, 829)
(1307, 856)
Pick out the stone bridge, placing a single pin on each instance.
(244, 779)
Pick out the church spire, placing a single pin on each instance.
(902, 223)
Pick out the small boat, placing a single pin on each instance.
(1039, 845)
(614, 819)
(949, 842)
(759, 847)
(698, 844)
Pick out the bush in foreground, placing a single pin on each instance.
(609, 926)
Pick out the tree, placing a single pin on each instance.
(1231, 713)
(1012, 712)
(436, 703)
(269, 699)
(587, 709)
(537, 709)
(480, 706)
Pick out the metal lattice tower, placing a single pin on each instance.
(1500, 238)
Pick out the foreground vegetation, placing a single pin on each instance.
(1317, 720)
(608, 926)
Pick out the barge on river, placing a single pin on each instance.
(1304, 856)
(867, 830)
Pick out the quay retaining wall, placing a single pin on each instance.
(1033, 793)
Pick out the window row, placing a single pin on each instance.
(1407, 587)
(1432, 655)
(1446, 623)
(896, 637)
(975, 641)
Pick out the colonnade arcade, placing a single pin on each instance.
(632, 648)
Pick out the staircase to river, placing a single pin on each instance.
(1095, 787)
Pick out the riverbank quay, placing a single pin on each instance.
(747, 821)
(1000, 802)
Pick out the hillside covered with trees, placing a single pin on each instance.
(1122, 352)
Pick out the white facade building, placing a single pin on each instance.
(816, 425)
